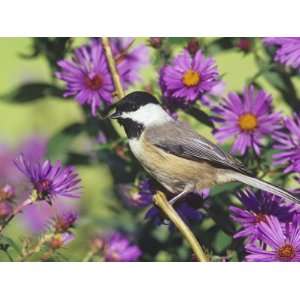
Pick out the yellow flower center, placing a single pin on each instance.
(191, 78)
(286, 252)
(247, 122)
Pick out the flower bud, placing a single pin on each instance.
(60, 239)
(155, 42)
(193, 46)
(6, 209)
(244, 44)
(97, 243)
(148, 88)
(7, 193)
(101, 138)
(64, 222)
(121, 151)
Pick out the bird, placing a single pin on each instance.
(175, 155)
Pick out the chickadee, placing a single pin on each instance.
(175, 155)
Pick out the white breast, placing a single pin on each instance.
(136, 147)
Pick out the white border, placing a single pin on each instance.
(157, 281)
(149, 18)
(145, 281)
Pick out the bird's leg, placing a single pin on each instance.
(186, 190)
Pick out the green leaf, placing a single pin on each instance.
(218, 211)
(221, 190)
(53, 49)
(10, 242)
(282, 81)
(276, 80)
(31, 92)
(200, 115)
(220, 44)
(221, 242)
(163, 256)
(77, 159)
(178, 40)
(60, 144)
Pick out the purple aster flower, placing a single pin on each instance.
(33, 147)
(288, 142)
(87, 76)
(279, 244)
(142, 196)
(137, 196)
(248, 118)
(50, 181)
(258, 206)
(129, 59)
(65, 221)
(188, 77)
(37, 218)
(288, 52)
(118, 248)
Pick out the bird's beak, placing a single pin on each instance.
(114, 115)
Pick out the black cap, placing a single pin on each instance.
(134, 101)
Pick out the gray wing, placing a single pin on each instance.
(179, 139)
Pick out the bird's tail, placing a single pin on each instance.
(265, 186)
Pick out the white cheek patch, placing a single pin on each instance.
(149, 114)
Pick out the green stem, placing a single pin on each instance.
(37, 248)
(88, 256)
(9, 256)
(161, 201)
(113, 68)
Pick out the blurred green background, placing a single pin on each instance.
(49, 116)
